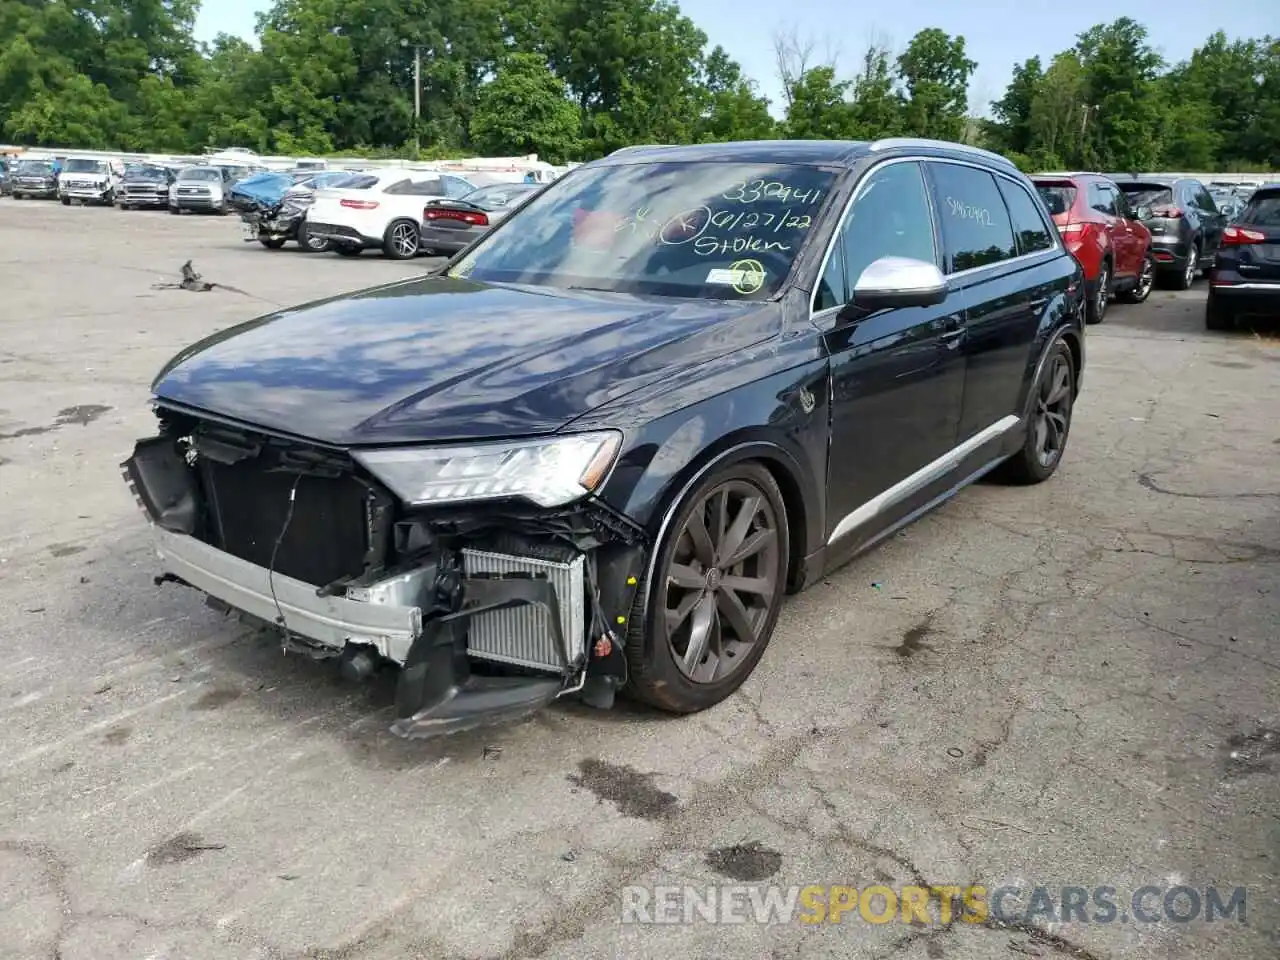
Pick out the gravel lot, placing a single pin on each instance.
(1072, 684)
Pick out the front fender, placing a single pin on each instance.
(781, 419)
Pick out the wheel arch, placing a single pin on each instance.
(731, 451)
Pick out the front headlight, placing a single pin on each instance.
(549, 473)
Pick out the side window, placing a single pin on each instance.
(889, 218)
(1102, 199)
(456, 187)
(975, 225)
(428, 187)
(1206, 201)
(1122, 204)
(1029, 228)
(399, 187)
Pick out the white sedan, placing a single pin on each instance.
(380, 209)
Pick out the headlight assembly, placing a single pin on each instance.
(549, 472)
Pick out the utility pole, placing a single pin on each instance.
(417, 91)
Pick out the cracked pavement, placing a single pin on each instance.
(1072, 684)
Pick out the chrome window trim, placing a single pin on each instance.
(929, 473)
(818, 315)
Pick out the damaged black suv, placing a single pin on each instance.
(595, 449)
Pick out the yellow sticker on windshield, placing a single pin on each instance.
(748, 276)
(463, 269)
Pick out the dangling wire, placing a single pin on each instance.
(271, 569)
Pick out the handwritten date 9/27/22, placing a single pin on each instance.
(704, 229)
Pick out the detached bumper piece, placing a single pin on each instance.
(488, 627)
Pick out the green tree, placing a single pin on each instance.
(1059, 116)
(1010, 129)
(733, 109)
(935, 73)
(876, 109)
(819, 107)
(1124, 130)
(525, 109)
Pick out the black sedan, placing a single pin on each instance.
(452, 225)
(1246, 271)
(596, 450)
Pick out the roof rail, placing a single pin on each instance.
(889, 143)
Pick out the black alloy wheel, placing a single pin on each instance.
(1048, 421)
(1139, 292)
(1097, 306)
(718, 584)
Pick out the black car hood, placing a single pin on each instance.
(434, 359)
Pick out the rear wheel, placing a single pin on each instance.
(402, 240)
(1218, 315)
(1188, 275)
(1146, 280)
(1048, 421)
(718, 582)
(1096, 308)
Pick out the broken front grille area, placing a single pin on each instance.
(334, 528)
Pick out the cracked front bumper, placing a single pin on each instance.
(329, 621)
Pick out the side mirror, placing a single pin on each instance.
(1143, 212)
(894, 282)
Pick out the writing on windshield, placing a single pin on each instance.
(706, 229)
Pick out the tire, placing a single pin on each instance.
(309, 243)
(1096, 309)
(347, 250)
(1218, 315)
(402, 240)
(109, 199)
(1028, 465)
(271, 243)
(175, 211)
(656, 672)
(125, 206)
(1146, 281)
(1185, 279)
(66, 201)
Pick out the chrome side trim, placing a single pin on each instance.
(1273, 286)
(922, 478)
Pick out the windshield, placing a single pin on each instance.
(1263, 211)
(1147, 194)
(85, 166)
(201, 174)
(684, 229)
(34, 168)
(499, 195)
(1058, 197)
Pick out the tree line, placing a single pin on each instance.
(575, 79)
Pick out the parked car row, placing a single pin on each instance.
(403, 213)
(178, 187)
(1131, 231)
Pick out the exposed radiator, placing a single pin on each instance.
(521, 635)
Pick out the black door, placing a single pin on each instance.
(1213, 220)
(897, 375)
(995, 237)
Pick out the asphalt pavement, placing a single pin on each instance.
(1076, 684)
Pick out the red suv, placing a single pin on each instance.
(1100, 230)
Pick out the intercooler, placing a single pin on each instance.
(521, 635)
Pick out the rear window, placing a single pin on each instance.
(1058, 197)
(1263, 210)
(1147, 194)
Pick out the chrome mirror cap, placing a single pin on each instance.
(899, 282)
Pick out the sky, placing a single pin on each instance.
(998, 33)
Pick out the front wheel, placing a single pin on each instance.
(1139, 292)
(307, 241)
(703, 622)
(1048, 421)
